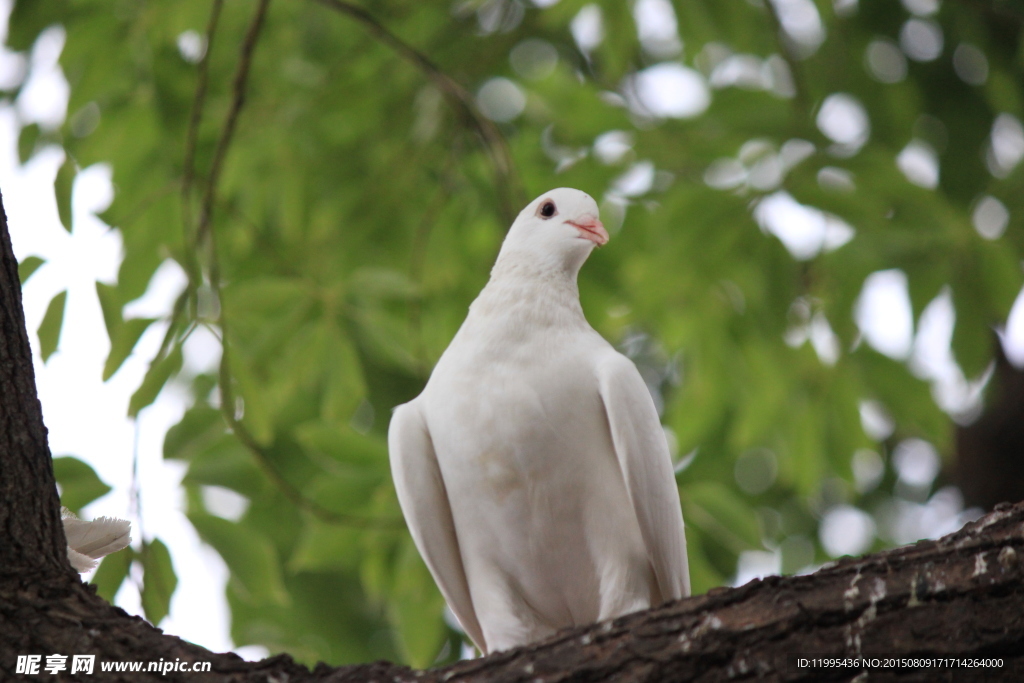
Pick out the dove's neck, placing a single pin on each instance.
(528, 295)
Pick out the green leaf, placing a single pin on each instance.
(265, 294)
(158, 582)
(223, 461)
(197, 428)
(249, 554)
(722, 514)
(28, 266)
(703, 576)
(384, 336)
(110, 304)
(62, 185)
(27, 20)
(972, 336)
(49, 329)
(79, 483)
(999, 270)
(346, 492)
(341, 445)
(416, 606)
(807, 454)
(345, 387)
(122, 344)
(381, 283)
(326, 546)
(157, 376)
(258, 415)
(112, 573)
(27, 139)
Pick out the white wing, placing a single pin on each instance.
(643, 455)
(424, 501)
(89, 541)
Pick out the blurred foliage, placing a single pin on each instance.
(336, 225)
(49, 328)
(160, 580)
(79, 483)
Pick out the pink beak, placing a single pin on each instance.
(591, 229)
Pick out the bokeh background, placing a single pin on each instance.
(815, 210)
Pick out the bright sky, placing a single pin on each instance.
(86, 416)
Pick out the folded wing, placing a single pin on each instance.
(424, 501)
(642, 452)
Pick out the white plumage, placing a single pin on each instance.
(88, 542)
(533, 471)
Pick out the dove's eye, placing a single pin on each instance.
(547, 209)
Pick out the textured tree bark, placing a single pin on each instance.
(961, 596)
(32, 534)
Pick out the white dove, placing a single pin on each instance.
(533, 471)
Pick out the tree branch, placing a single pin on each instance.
(227, 133)
(507, 184)
(191, 138)
(959, 597)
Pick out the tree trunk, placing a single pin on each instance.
(989, 467)
(32, 533)
(961, 596)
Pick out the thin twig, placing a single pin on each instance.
(191, 138)
(176, 314)
(135, 492)
(509, 190)
(135, 509)
(228, 132)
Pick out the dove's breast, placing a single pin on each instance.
(543, 518)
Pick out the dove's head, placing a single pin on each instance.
(559, 229)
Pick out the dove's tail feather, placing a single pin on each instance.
(89, 541)
(81, 563)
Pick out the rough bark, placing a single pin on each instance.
(31, 534)
(960, 596)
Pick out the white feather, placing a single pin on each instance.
(90, 541)
(421, 490)
(532, 471)
(80, 562)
